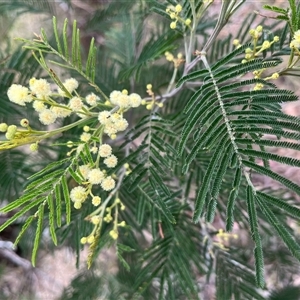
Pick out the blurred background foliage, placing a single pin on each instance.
(131, 42)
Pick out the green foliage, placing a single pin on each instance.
(22, 7)
(189, 164)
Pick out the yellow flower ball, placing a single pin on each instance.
(178, 8)
(173, 25)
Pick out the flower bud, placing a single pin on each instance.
(3, 127)
(24, 123)
(173, 25)
(34, 147)
(187, 22)
(178, 8)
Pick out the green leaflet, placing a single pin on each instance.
(289, 184)
(258, 252)
(67, 199)
(21, 213)
(216, 184)
(290, 242)
(58, 201)
(50, 201)
(38, 233)
(292, 210)
(232, 198)
(269, 156)
(203, 190)
(24, 228)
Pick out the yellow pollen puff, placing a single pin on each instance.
(85, 137)
(96, 200)
(258, 86)
(11, 131)
(276, 39)
(113, 136)
(95, 220)
(248, 50)
(32, 81)
(90, 239)
(9, 135)
(108, 218)
(34, 147)
(149, 86)
(125, 92)
(83, 240)
(173, 25)
(178, 8)
(275, 76)
(187, 22)
(3, 127)
(172, 15)
(12, 128)
(86, 128)
(160, 104)
(266, 45)
(252, 32)
(236, 42)
(122, 224)
(149, 106)
(169, 56)
(114, 234)
(94, 150)
(248, 56)
(77, 204)
(105, 150)
(259, 28)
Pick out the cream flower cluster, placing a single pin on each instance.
(40, 87)
(94, 176)
(125, 101)
(295, 43)
(70, 84)
(174, 13)
(78, 195)
(252, 53)
(113, 123)
(92, 99)
(42, 98)
(19, 94)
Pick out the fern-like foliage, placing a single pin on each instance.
(22, 7)
(235, 126)
(48, 189)
(241, 282)
(151, 168)
(185, 166)
(70, 55)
